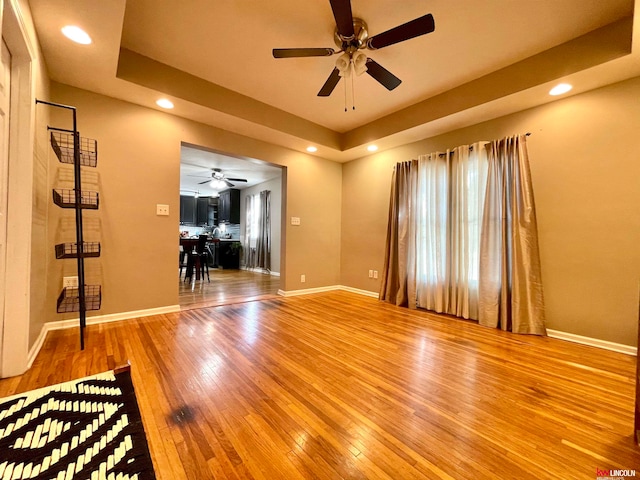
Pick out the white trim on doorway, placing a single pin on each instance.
(20, 192)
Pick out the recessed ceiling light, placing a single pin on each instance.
(312, 149)
(560, 89)
(76, 34)
(164, 103)
(372, 148)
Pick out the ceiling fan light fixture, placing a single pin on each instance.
(164, 103)
(76, 34)
(312, 149)
(343, 63)
(560, 89)
(359, 63)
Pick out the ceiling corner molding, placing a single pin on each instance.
(594, 48)
(149, 73)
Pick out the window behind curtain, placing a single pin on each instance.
(253, 219)
(450, 199)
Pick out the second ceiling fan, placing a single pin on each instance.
(222, 179)
(351, 36)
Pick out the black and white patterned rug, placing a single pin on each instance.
(84, 429)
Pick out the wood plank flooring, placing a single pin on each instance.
(227, 286)
(338, 385)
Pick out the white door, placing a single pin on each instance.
(5, 97)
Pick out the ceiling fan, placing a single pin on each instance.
(221, 178)
(351, 36)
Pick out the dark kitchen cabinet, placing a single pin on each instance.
(229, 206)
(188, 208)
(202, 211)
(199, 211)
(212, 215)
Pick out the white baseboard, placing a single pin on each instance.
(593, 342)
(113, 317)
(330, 288)
(308, 291)
(260, 270)
(35, 348)
(359, 291)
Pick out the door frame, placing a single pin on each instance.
(15, 347)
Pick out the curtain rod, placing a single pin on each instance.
(528, 134)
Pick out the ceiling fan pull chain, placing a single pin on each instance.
(345, 95)
(353, 90)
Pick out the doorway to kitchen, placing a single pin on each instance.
(220, 211)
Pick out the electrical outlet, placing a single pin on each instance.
(295, 220)
(162, 209)
(70, 282)
(375, 274)
(370, 273)
(303, 278)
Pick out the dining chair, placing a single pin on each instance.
(198, 260)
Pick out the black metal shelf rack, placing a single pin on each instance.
(69, 299)
(70, 148)
(70, 250)
(67, 198)
(62, 144)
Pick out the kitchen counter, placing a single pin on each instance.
(210, 239)
(221, 257)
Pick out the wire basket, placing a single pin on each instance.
(66, 198)
(70, 250)
(62, 144)
(69, 299)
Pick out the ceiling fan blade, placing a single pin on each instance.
(330, 84)
(382, 75)
(202, 183)
(302, 52)
(229, 184)
(412, 29)
(344, 17)
(237, 179)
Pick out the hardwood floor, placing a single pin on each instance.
(227, 286)
(338, 385)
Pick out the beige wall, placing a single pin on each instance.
(584, 153)
(138, 167)
(275, 187)
(584, 166)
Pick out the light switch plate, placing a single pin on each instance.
(295, 220)
(162, 209)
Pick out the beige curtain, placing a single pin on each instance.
(462, 237)
(510, 280)
(399, 261)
